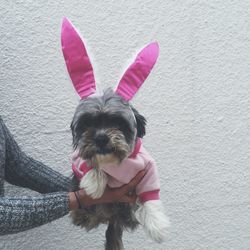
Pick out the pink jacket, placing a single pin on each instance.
(147, 189)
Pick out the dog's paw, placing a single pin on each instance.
(154, 221)
(94, 183)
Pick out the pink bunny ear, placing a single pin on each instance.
(77, 60)
(138, 71)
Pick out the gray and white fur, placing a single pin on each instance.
(104, 129)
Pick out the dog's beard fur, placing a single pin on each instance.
(121, 124)
(117, 148)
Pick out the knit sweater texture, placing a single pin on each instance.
(19, 213)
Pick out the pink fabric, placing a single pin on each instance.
(138, 72)
(136, 148)
(150, 195)
(81, 71)
(147, 189)
(77, 60)
(80, 168)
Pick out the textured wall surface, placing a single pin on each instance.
(197, 101)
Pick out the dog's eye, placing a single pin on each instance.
(124, 126)
(87, 123)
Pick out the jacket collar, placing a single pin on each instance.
(136, 148)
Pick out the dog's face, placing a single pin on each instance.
(105, 128)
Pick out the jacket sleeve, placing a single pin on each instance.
(24, 171)
(21, 213)
(149, 186)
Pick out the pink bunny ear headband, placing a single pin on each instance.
(81, 70)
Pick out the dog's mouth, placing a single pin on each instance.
(101, 159)
(104, 151)
(105, 155)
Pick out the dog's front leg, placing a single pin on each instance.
(114, 236)
(151, 216)
(94, 183)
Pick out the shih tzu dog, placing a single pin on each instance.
(107, 138)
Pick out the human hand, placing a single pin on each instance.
(126, 193)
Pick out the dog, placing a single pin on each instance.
(107, 139)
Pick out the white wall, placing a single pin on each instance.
(196, 101)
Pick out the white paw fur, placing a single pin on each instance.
(151, 216)
(94, 183)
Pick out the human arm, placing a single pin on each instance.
(22, 213)
(24, 171)
(25, 212)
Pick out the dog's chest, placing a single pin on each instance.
(124, 172)
(118, 175)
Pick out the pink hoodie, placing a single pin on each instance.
(118, 175)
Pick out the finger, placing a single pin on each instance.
(131, 192)
(135, 181)
(137, 178)
(128, 199)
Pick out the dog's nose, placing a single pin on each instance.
(101, 140)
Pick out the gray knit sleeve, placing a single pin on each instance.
(25, 212)
(24, 171)
(22, 213)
